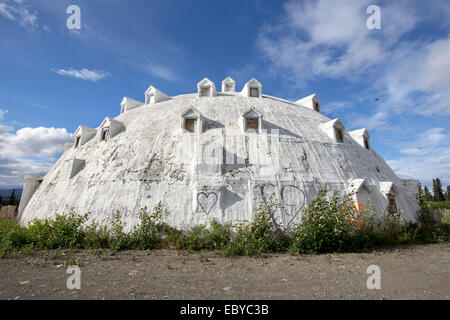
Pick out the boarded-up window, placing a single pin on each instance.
(105, 133)
(366, 144)
(252, 124)
(254, 92)
(228, 87)
(77, 142)
(205, 92)
(339, 137)
(392, 205)
(190, 125)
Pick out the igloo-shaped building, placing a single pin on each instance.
(214, 155)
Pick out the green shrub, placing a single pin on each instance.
(202, 238)
(325, 225)
(64, 231)
(148, 234)
(119, 239)
(328, 225)
(258, 237)
(438, 205)
(12, 236)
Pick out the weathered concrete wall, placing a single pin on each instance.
(8, 211)
(154, 160)
(30, 185)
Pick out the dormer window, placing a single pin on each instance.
(205, 91)
(129, 104)
(389, 189)
(316, 106)
(334, 129)
(362, 137)
(252, 121)
(110, 128)
(366, 144)
(339, 137)
(190, 125)
(228, 85)
(392, 204)
(105, 134)
(192, 121)
(252, 125)
(252, 88)
(83, 135)
(206, 88)
(153, 95)
(254, 92)
(311, 102)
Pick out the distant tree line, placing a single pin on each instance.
(438, 193)
(13, 200)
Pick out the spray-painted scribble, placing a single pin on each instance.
(292, 200)
(207, 201)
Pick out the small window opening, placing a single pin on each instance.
(366, 144)
(339, 137)
(228, 87)
(316, 106)
(392, 205)
(252, 124)
(204, 92)
(254, 92)
(105, 134)
(77, 142)
(190, 124)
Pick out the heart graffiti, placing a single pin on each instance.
(292, 200)
(207, 201)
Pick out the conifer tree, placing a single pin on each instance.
(12, 198)
(437, 190)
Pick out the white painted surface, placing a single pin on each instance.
(154, 160)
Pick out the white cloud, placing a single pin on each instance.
(428, 156)
(160, 72)
(329, 39)
(424, 168)
(36, 142)
(427, 142)
(419, 77)
(377, 120)
(28, 151)
(83, 74)
(19, 12)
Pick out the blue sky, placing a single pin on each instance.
(53, 79)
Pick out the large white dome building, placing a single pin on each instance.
(215, 155)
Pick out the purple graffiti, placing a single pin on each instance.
(292, 200)
(207, 208)
(295, 205)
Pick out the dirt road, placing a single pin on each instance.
(418, 272)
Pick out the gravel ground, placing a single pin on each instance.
(417, 272)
